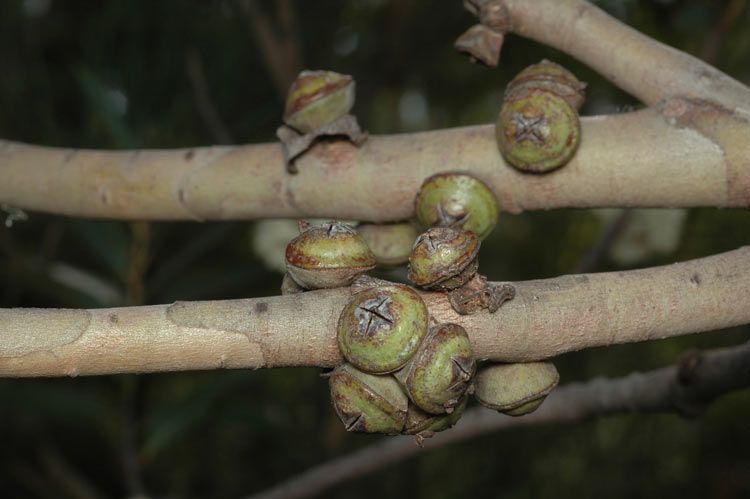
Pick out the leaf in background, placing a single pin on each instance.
(181, 259)
(108, 105)
(183, 414)
(107, 243)
(649, 232)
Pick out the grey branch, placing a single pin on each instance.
(686, 388)
(547, 317)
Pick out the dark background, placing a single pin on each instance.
(127, 74)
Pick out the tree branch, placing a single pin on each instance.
(681, 154)
(547, 317)
(689, 150)
(631, 60)
(685, 387)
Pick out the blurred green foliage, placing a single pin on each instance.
(115, 75)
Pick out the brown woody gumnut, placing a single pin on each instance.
(444, 258)
(367, 402)
(515, 389)
(328, 256)
(390, 243)
(538, 129)
(479, 294)
(440, 373)
(381, 328)
(483, 42)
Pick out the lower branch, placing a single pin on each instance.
(686, 387)
(546, 318)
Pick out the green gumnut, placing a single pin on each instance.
(318, 98)
(366, 402)
(537, 131)
(455, 199)
(444, 258)
(424, 425)
(380, 329)
(390, 243)
(440, 373)
(515, 389)
(328, 256)
(550, 77)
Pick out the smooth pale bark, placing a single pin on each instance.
(547, 317)
(681, 154)
(650, 158)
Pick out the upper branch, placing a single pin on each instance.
(636, 63)
(684, 153)
(547, 317)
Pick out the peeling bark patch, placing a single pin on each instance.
(25, 331)
(261, 307)
(230, 316)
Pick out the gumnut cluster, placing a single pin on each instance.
(538, 129)
(460, 210)
(402, 374)
(318, 104)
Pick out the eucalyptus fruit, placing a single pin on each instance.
(367, 402)
(289, 286)
(318, 98)
(423, 425)
(457, 200)
(547, 75)
(390, 243)
(444, 258)
(440, 373)
(318, 104)
(538, 129)
(328, 256)
(515, 389)
(380, 329)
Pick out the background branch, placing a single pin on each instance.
(280, 47)
(548, 317)
(686, 387)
